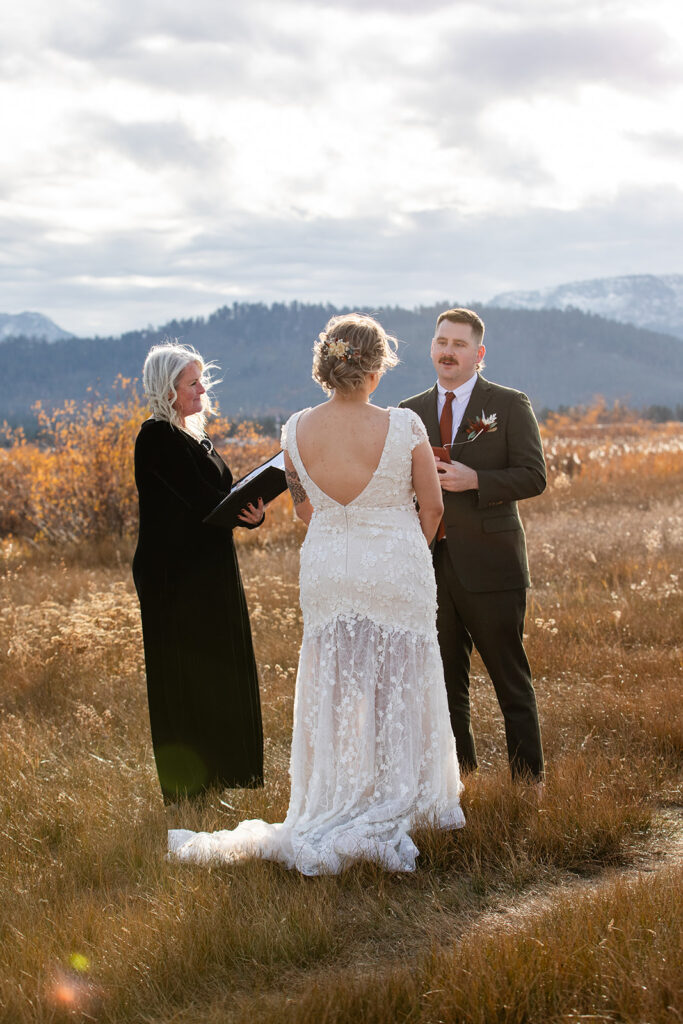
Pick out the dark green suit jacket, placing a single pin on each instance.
(484, 533)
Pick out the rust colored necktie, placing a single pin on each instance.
(446, 430)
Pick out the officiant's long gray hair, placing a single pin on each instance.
(163, 366)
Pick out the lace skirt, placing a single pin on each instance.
(372, 746)
(372, 753)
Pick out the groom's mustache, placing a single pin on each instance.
(449, 362)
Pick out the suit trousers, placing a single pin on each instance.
(494, 622)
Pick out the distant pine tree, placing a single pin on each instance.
(265, 353)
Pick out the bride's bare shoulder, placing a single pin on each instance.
(313, 410)
(338, 416)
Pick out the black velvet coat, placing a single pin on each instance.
(202, 684)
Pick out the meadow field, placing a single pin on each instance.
(567, 910)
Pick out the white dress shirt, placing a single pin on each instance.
(462, 397)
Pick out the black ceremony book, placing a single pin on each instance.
(266, 481)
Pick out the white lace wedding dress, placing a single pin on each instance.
(372, 747)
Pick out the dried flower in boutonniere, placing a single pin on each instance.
(481, 425)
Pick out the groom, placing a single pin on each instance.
(489, 455)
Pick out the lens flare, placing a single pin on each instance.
(65, 994)
(79, 962)
(68, 989)
(182, 770)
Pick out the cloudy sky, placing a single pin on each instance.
(162, 158)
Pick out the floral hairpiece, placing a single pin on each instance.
(341, 349)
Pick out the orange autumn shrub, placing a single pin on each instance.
(76, 481)
(600, 445)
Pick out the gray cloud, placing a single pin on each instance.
(216, 45)
(435, 256)
(232, 56)
(218, 68)
(193, 68)
(413, 8)
(228, 50)
(155, 144)
(526, 8)
(102, 30)
(666, 145)
(212, 43)
(188, 67)
(410, 8)
(234, 49)
(471, 69)
(474, 67)
(106, 31)
(551, 54)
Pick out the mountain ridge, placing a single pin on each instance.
(653, 302)
(30, 325)
(265, 354)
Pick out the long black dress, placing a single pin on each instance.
(202, 683)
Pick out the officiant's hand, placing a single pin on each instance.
(455, 476)
(253, 514)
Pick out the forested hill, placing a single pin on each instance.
(557, 357)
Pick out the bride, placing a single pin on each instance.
(372, 746)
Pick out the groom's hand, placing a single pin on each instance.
(455, 476)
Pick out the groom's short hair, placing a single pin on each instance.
(464, 316)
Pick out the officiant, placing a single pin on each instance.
(202, 684)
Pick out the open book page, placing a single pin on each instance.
(277, 462)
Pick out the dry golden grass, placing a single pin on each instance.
(614, 955)
(529, 914)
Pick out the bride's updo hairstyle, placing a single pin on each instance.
(350, 347)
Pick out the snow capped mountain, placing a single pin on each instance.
(645, 300)
(30, 325)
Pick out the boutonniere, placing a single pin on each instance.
(481, 425)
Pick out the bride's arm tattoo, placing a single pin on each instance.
(296, 488)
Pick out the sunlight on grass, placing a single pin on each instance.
(515, 918)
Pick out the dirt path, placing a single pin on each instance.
(509, 911)
(664, 850)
